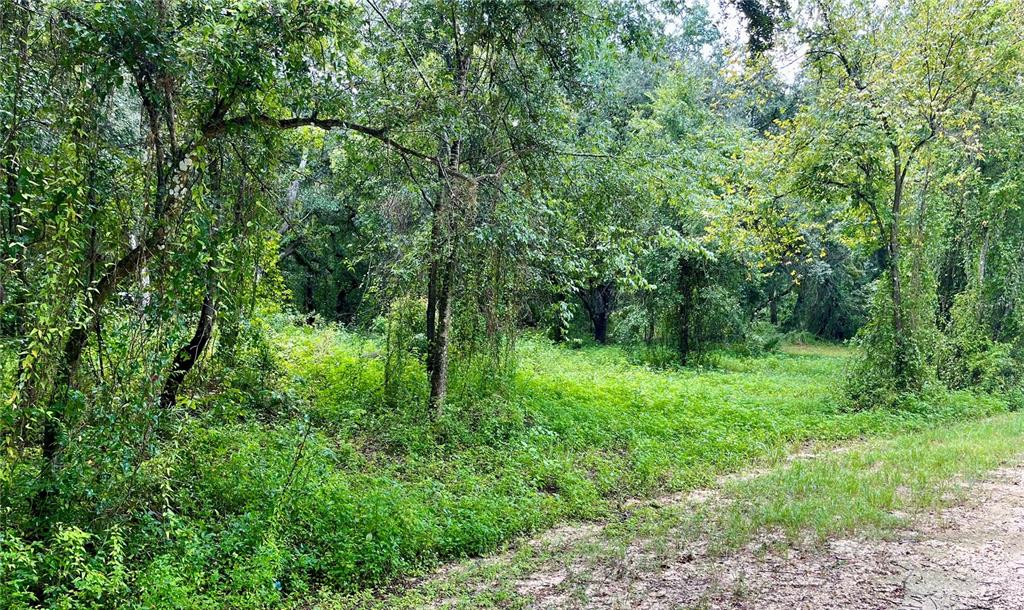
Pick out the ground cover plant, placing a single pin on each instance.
(343, 492)
(868, 490)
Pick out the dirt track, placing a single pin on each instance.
(970, 556)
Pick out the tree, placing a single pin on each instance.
(482, 80)
(126, 207)
(889, 83)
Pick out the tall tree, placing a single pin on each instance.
(889, 83)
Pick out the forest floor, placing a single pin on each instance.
(927, 520)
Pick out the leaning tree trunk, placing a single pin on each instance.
(894, 253)
(189, 354)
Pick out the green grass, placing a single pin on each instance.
(816, 349)
(868, 489)
(341, 486)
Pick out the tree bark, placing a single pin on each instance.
(189, 354)
(436, 239)
(441, 271)
(599, 301)
(894, 252)
(439, 348)
(601, 327)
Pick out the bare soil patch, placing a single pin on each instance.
(967, 557)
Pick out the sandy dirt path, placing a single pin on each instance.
(967, 557)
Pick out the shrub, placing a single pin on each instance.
(970, 358)
(891, 366)
(19, 574)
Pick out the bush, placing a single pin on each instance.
(970, 358)
(762, 338)
(892, 366)
(18, 571)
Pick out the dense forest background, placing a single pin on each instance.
(192, 188)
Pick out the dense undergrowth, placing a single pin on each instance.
(296, 474)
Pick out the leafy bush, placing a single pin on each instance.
(19, 570)
(970, 358)
(892, 367)
(761, 338)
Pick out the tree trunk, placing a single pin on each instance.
(436, 239)
(685, 342)
(189, 354)
(438, 355)
(901, 347)
(691, 276)
(598, 301)
(601, 327)
(441, 272)
(450, 208)
(894, 257)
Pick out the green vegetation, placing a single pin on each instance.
(869, 489)
(302, 296)
(326, 486)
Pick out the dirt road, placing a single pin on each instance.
(967, 557)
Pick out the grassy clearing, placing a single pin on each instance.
(870, 490)
(828, 350)
(341, 489)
